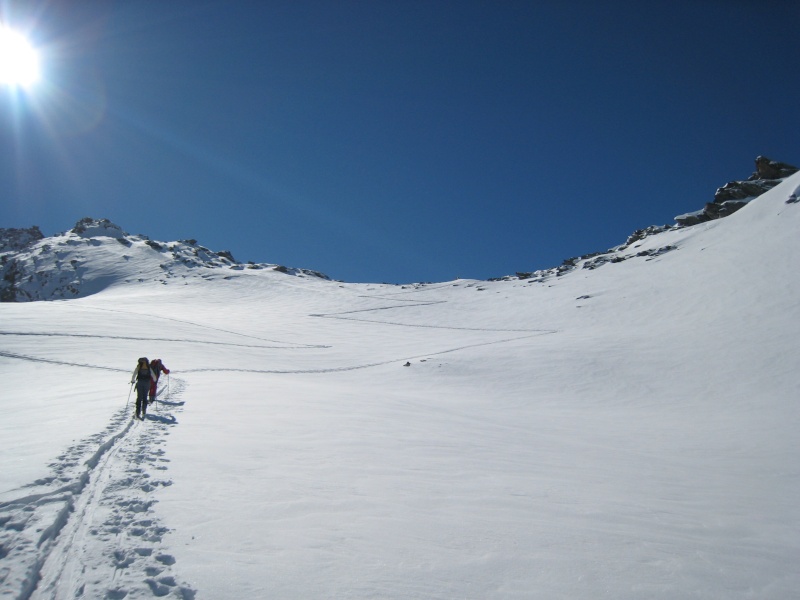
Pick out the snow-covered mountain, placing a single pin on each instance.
(623, 426)
(96, 254)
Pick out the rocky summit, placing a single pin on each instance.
(735, 194)
(727, 200)
(96, 253)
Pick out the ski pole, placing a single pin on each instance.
(129, 396)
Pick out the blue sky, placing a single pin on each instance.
(394, 141)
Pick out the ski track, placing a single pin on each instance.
(87, 529)
(53, 361)
(424, 326)
(140, 339)
(286, 345)
(413, 303)
(531, 333)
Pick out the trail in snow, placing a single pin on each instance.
(365, 365)
(203, 326)
(87, 529)
(415, 303)
(153, 339)
(53, 361)
(411, 304)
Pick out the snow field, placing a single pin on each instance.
(627, 432)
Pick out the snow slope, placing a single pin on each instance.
(625, 431)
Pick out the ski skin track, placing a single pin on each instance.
(52, 533)
(64, 546)
(54, 584)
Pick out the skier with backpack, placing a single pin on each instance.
(143, 377)
(157, 367)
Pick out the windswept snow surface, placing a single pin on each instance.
(623, 432)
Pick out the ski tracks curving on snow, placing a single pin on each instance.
(88, 529)
(415, 303)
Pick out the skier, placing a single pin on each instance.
(157, 367)
(142, 376)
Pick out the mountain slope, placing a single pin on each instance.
(97, 254)
(623, 431)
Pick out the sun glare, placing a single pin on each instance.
(19, 62)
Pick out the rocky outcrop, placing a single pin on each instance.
(18, 239)
(771, 169)
(95, 253)
(743, 190)
(727, 200)
(89, 227)
(734, 195)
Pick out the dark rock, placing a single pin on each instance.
(97, 227)
(723, 209)
(657, 251)
(693, 218)
(771, 169)
(741, 190)
(11, 278)
(315, 274)
(597, 262)
(18, 239)
(640, 234)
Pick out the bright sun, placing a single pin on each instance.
(19, 62)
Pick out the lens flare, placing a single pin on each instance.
(19, 61)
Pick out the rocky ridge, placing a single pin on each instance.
(34, 267)
(727, 200)
(735, 194)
